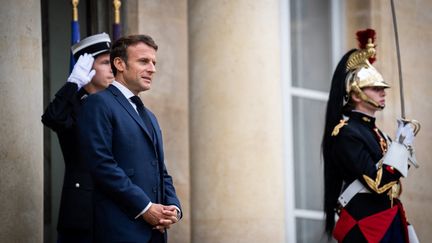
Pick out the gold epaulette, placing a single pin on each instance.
(338, 127)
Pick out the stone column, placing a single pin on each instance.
(237, 186)
(21, 140)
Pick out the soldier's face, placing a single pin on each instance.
(377, 94)
(104, 75)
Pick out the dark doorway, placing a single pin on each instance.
(94, 16)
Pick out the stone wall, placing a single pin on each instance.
(21, 139)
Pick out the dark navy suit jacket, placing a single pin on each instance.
(126, 164)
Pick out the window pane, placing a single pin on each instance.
(311, 231)
(308, 122)
(311, 44)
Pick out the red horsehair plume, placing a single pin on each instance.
(363, 36)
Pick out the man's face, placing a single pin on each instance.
(140, 67)
(104, 75)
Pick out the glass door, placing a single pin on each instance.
(313, 35)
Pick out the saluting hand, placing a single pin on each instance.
(82, 73)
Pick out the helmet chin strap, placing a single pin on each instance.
(366, 98)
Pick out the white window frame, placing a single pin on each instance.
(288, 93)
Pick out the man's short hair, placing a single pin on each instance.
(119, 48)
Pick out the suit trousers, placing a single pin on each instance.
(157, 237)
(75, 237)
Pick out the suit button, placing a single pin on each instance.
(154, 189)
(154, 162)
(77, 185)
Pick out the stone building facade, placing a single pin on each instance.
(240, 93)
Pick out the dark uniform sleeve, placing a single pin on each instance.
(60, 113)
(357, 162)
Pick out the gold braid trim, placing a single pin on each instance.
(374, 184)
(336, 129)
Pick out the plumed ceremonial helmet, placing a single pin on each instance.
(94, 45)
(360, 72)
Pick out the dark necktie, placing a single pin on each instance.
(143, 114)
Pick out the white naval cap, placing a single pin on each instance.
(94, 45)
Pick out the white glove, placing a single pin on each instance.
(405, 133)
(82, 72)
(397, 156)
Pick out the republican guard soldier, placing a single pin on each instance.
(362, 165)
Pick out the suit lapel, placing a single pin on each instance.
(160, 154)
(128, 107)
(158, 135)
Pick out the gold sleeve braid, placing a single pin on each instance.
(374, 184)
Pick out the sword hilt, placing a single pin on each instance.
(414, 123)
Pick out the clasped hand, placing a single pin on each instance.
(161, 216)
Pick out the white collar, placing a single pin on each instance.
(125, 91)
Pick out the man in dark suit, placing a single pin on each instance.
(90, 74)
(121, 142)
